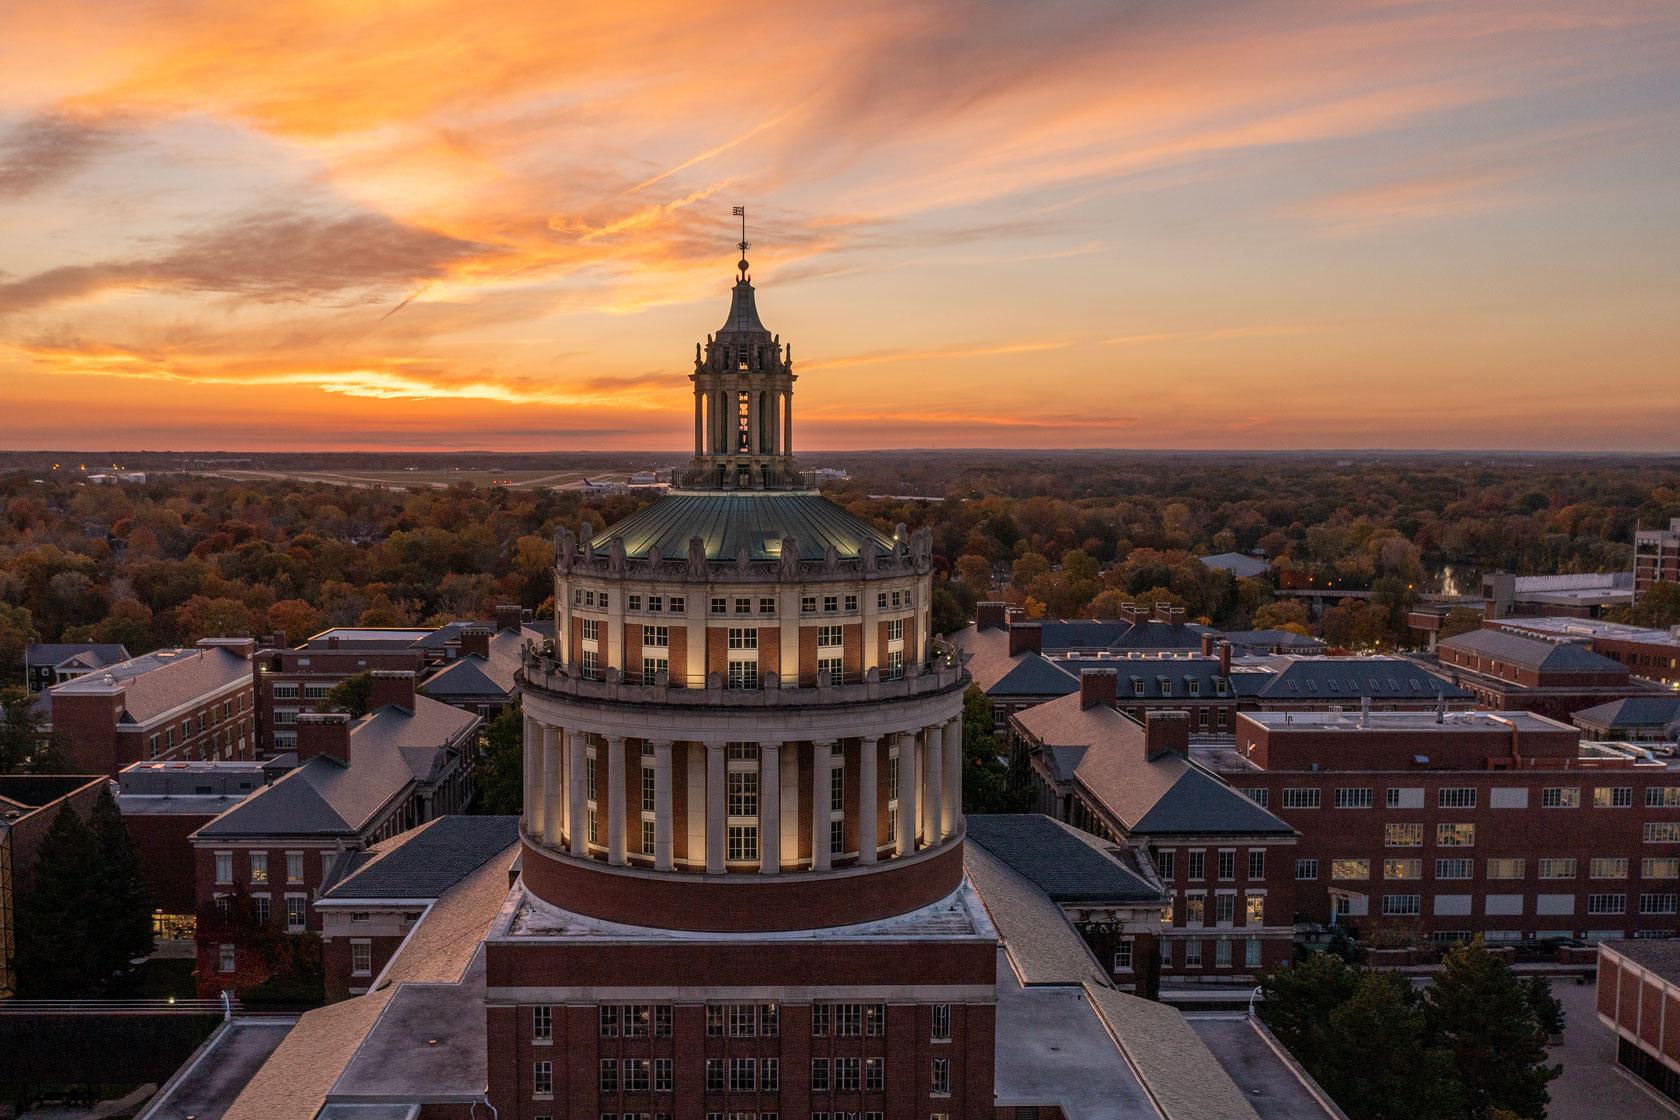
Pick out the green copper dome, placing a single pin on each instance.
(727, 521)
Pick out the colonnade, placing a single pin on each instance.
(769, 422)
(743, 808)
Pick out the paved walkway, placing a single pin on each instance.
(1593, 1086)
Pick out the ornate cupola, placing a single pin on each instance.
(743, 399)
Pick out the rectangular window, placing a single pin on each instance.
(637, 1074)
(1358, 797)
(743, 674)
(542, 1078)
(1347, 869)
(1607, 868)
(828, 636)
(720, 605)
(542, 1022)
(678, 604)
(716, 1077)
(1606, 903)
(1662, 832)
(847, 1075)
(1123, 957)
(295, 918)
(635, 1020)
(831, 603)
(767, 606)
(743, 1020)
(743, 637)
(361, 958)
(1560, 797)
(1402, 869)
(659, 637)
(607, 1017)
(609, 1075)
(1455, 835)
(1402, 905)
(770, 1074)
(941, 1077)
(224, 868)
(662, 1079)
(895, 630)
(1507, 868)
(1405, 835)
(1455, 869)
(1198, 864)
(1306, 869)
(1660, 867)
(1300, 798)
(835, 667)
(1457, 797)
(259, 868)
(808, 604)
(1260, 795)
(1658, 903)
(1164, 863)
(819, 1075)
(1256, 863)
(294, 867)
(743, 606)
(1662, 797)
(1227, 865)
(848, 1020)
(1195, 909)
(874, 1075)
(1256, 910)
(941, 1022)
(1612, 797)
(1557, 869)
(1225, 908)
(743, 1075)
(819, 1020)
(591, 630)
(851, 602)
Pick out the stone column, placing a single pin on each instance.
(551, 787)
(822, 759)
(933, 786)
(699, 431)
(580, 794)
(716, 808)
(787, 422)
(615, 799)
(533, 776)
(662, 806)
(769, 808)
(906, 839)
(868, 750)
(953, 778)
(755, 417)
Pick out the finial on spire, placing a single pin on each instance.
(741, 212)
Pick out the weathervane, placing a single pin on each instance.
(741, 212)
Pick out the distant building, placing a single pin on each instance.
(1637, 719)
(1646, 651)
(47, 664)
(1511, 671)
(1445, 826)
(175, 703)
(29, 803)
(1656, 556)
(356, 783)
(1238, 564)
(378, 895)
(480, 679)
(1575, 595)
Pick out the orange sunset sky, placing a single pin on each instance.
(1254, 224)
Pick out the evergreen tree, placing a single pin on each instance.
(1379, 1065)
(59, 952)
(1479, 1012)
(499, 777)
(1298, 1002)
(1548, 1009)
(126, 917)
(985, 785)
(24, 747)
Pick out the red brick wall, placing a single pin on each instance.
(1302, 748)
(679, 652)
(167, 860)
(808, 655)
(769, 650)
(336, 963)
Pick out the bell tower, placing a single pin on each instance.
(743, 398)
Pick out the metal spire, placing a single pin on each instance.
(741, 212)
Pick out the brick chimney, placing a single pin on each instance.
(1025, 637)
(325, 733)
(1098, 686)
(476, 639)
(1224, 658)
(1208, 643)
(390, 686)
(991, 615)
(509, 616)
(1166, 733)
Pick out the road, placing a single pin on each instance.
(1593, 1086)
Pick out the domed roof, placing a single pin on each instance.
(727, 520)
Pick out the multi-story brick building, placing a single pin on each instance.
(1639, 719)
(1647, 652)
(1222, 859)
(356, 783)
(1638, 998)
(1495, 823)
(1511, 671)
(1656, 556)
(172, 704)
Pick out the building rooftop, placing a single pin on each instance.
(190, 787)
(424, 862)
(1429, 723)
(367, 637)
(1070, 866)
(389, 748)
(90, 655)
(472, 675)
(158, 683)
(755, 521)
(1635, 711)
(1531, 653)
(1586, 629)
(1291, 677)
(1661, 957)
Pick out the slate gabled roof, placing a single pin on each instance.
(1635, 711)
(390, 749)
(161, 681)
(1035, 675)
(1533, 653)
(1179, 672)
(93, 654)
(1068, 865)
(1154, 635)
(1349, 678)
(426, 861)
